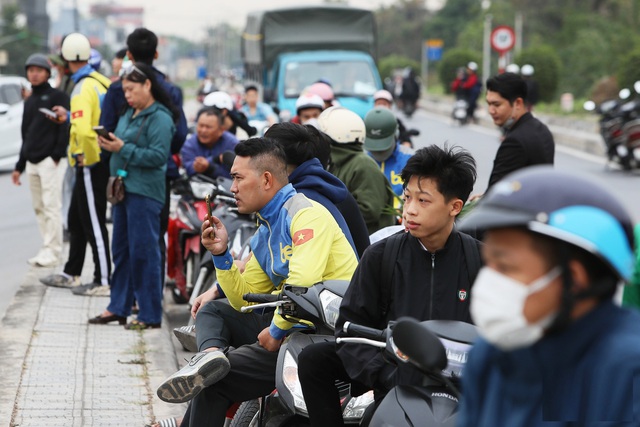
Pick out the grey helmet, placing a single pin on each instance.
(38, 60)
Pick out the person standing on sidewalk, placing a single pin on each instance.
(139, 146)
(87, 213)
(44, 143)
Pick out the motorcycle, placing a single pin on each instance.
(439, 350)
(459, 113)
(316, 309)
(620, 127)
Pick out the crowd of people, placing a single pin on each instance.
(534, 265)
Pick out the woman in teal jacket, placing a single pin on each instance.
(140, 147)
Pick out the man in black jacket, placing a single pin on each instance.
(44, 143)
(527, 141)
(425, 273)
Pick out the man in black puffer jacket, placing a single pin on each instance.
(44, 143)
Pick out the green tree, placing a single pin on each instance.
(400, 29)
(452, 20)
(547, 65)
(18, 42)
(392, 62)
(629, 71)
(451, 61)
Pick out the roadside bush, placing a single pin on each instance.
(389, 63)
(547, 65)
(451, 61)
(629, 71)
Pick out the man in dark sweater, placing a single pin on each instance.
(44, 143)
(429, 276)
(526, 141)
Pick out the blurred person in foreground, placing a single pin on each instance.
(555, 349)
(139, 146)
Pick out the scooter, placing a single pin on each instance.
(317, 308)
(439, 350)
(459, 113)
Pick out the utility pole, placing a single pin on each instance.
(76, 18)
(518, 28)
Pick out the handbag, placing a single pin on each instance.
(115, 184)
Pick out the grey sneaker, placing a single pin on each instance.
(60, 281)
(92, 290)
(203, 370)
(187, 337)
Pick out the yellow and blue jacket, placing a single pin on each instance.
(86, 101)
(297, 243)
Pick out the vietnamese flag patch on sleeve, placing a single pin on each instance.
(302, 236)
(76, 114)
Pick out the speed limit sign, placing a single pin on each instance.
(503, 38)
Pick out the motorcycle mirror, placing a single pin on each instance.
(636, 86)
(420, 345)
(624, 93)
(413, 132)
(589, 105)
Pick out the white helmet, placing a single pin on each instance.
(472, 66)
(219, 99)
(513, 68)
(309, 100)
(342, 125)
(527, 70)
(76, 48)
(383, 94)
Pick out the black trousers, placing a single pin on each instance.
(253, 368)
(318, 369)
(87, 222)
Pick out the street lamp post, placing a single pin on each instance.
(486, 43)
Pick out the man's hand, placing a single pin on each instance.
(61, 112)
(201, 300)
(215, 238)
(268, 342)
(15, 178)
(113, 145)
(79, 159)
(200, 164)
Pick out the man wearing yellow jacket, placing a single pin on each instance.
(87, 212)
(298, 242)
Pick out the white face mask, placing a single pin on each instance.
(497, 308)
(312, 122)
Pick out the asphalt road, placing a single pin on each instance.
(20, 240)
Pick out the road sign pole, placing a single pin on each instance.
(486, 49)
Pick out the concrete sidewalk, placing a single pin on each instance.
(57, 370)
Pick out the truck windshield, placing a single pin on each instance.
(348, 78)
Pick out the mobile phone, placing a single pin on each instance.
(49, 113)
(207, 201)
(100, 130)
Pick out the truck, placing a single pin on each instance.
(285, 50)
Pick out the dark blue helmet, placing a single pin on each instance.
(563, 206)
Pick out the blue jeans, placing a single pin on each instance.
(136, 258)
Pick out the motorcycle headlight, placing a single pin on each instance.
(330, 303)
(201, 189)
(292, 382)
(457, 355)
(357, 405)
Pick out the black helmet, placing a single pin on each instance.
(563, 206)
(38, 60)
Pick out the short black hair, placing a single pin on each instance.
(157, 90)
(266, 155)
(121, 53)
(211, 111)
(250, 87)
(510, 86)
(453, 169)
(300, 143)
(142, 44)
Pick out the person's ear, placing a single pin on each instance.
(456, 206)
(155, 55)
(267, 180)
(579, 276)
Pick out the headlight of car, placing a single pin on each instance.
(357, 405)
(201, 189)
(330, 303)
(292, 382)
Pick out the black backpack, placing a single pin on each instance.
(390, 254)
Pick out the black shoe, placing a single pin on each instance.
(103, 320)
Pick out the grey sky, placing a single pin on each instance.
(188, 18)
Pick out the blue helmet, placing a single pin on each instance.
(562, 206)
(95, 59)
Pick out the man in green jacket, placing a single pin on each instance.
(355, 168)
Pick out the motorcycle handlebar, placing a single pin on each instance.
(364, 331)
(261, 298)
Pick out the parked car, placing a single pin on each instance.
(11, 106)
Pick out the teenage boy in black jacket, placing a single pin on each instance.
(44, 143)
(431, 267)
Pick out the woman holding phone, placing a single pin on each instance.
(140, 147)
